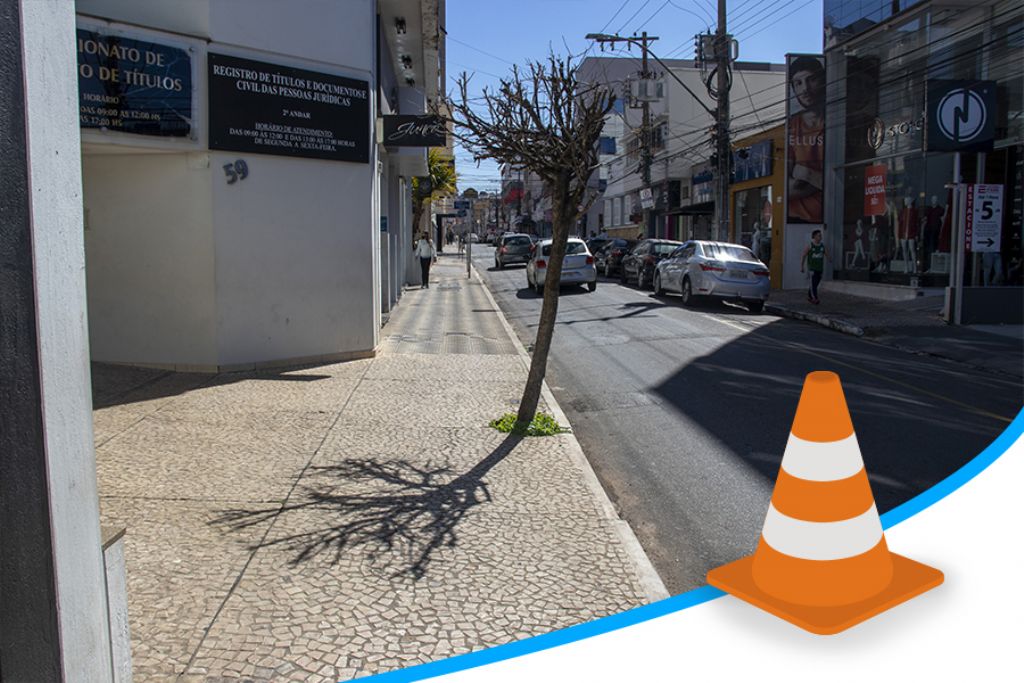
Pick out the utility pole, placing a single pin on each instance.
(723, 59)
(646, 154)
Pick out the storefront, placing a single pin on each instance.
(755, 198)
(890, 205)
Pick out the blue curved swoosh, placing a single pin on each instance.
(690, 598)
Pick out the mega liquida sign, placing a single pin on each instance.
(133, 86)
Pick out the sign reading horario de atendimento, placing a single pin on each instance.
(133, 86)
(271, 109)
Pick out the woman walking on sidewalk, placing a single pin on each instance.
(814, 257)
(425, 252)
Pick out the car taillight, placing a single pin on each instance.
(715, 267)
(542, 264)
(762, 272)
(590, 260)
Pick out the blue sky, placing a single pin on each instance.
(487, 37)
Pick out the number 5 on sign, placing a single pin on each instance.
(984, 218)
(236, 171)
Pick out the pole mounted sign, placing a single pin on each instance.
(983, 218)
(961, 115)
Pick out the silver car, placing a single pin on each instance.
(577, 268)
(717, 270)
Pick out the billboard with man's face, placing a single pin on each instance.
(805, 138)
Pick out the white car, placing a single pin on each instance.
(714, 270)
(577, 267)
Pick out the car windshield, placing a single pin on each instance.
(663, 248)
(571, 248)
(728, 252)
(518, 241)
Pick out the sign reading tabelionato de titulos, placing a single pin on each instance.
(272, 109)
(133, 86)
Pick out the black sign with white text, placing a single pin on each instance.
(403, 130)
(133, 86)
(271, 109)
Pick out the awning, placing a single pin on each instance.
(702, 209)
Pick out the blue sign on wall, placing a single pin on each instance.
(134, 86)
(752, 162)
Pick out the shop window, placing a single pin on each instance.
(753, 221)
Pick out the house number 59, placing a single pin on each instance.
(239, 170)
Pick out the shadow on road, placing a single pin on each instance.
(915, 424)
(564, 290)
(394, 513)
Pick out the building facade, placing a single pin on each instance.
(894, 215)
(756, 218)
(680, 142)
(241, 205)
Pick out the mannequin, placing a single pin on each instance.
(931, 224)
(858, 243)
(907, 229)
(945, 232)
(874, 247)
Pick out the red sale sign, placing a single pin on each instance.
(874, 190)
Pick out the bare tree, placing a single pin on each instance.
(542, 119)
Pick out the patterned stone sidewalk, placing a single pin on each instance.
(330, 522)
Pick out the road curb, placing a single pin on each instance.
(817, 318)
(648, 576)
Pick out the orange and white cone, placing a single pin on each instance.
(822, 562)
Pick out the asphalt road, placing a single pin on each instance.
(684, 413)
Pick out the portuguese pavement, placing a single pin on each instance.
(328, 522)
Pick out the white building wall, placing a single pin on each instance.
(188, 271)
(294, 259)
(150, 258)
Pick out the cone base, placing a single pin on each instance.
(909, 580)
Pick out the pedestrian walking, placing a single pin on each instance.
(814, 258)
(425, 252)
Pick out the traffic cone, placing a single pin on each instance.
(822, 562)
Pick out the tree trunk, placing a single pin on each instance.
(562, 216)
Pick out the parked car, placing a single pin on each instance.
(577, 268)
(717, 270)
(639, 264)
(595, 244)
(609, 258)
(513, 249)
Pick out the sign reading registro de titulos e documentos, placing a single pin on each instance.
(271, 109)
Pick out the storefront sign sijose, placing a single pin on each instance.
(878, 132)
(983, 224)
(403, 130)
(133, 86)
(874, 190)
(961, 115)
(271, 109)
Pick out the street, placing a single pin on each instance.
(684, 413)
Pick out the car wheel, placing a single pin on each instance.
(592, 286)
(755, 306)
(640, 284)
(658, 291)
(687, 292)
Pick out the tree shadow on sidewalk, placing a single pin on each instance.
(407, 513)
